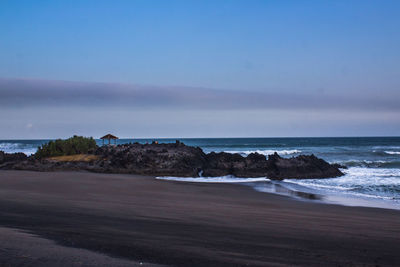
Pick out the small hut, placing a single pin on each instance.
(109, 137)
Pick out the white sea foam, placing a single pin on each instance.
(221, 179)
(17, 147)
(393, 152)
(266, 152)
(358, 181)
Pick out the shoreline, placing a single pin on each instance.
(303, 193)
(174, 223)
(293, 191)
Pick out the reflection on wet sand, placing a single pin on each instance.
(280, 189)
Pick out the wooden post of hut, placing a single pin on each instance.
(109, 137)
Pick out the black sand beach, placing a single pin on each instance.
(134, 219)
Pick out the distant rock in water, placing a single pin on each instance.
(177, 159)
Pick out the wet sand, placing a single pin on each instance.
(132, 219)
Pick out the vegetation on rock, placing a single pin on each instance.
(71, 146)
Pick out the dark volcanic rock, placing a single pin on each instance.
(276, 167)
(177, 159)
(151, 159)
(301, 167)
(9, 160)
(220, 164)
(11, 157)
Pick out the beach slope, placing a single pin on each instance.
(141, 219)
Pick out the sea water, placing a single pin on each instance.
(372, 174)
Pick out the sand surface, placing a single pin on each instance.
(24, 249)
(88, 218)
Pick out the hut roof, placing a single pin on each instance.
(109, 136)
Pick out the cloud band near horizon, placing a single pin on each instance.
(16, 93)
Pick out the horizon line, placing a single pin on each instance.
(239, 137)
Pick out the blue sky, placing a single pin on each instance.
(276, 63)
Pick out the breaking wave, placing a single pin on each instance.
(393, 152)
(370, 163)
(382, 183)
(221, 179)
(8, 147)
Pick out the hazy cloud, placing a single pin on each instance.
(28, 92)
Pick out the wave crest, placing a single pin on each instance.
(393, 152)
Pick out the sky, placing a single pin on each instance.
(199, 68)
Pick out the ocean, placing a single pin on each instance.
(372, 177)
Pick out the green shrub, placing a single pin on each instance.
(71, 146)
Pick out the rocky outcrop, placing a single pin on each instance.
(220, 164)
(275, 167)
(174, 159)
(11, 158)
(177, 159)
(302, 167)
